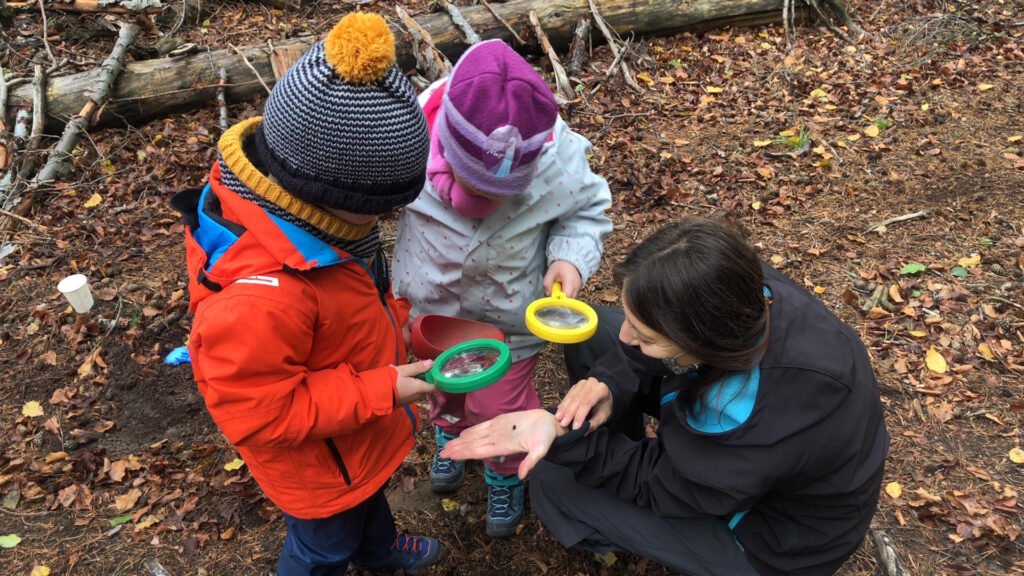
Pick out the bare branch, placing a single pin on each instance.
(565, 90)
(460, 21)
(435, 65)
(221, 101)
(251, 67)
(503, 22)
(111, 68)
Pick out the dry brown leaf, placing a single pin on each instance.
(126, 502)
(941, 411)
(894, 294)
(117, 471)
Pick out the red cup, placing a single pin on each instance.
(434, 333)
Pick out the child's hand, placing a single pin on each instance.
(407, 334)
(410, 389)
(567, 274)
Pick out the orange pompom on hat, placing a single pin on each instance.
(342, 127)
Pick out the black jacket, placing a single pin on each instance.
(806, 463)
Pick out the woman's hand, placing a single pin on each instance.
(530, 431)
(409, 387)
(589, 398)
(566, 274)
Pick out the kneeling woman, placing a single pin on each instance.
(770, 440)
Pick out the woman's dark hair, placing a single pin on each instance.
(700, 285)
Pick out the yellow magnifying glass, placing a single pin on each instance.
(560, 319)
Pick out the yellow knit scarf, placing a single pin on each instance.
(230, 146)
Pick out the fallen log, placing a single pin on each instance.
(99, 6)
(132, 6)
(153, 88)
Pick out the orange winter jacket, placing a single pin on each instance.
(293, 346)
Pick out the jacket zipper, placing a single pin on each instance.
(398, 337)
(336, 454)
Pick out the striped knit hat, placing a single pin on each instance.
(342, 127)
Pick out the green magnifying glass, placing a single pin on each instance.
(470, 366)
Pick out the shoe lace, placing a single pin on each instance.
(501, 498)
(409, 544)
(443, 465)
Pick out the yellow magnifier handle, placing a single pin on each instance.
(556, 290)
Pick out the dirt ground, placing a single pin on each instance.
(110, 465)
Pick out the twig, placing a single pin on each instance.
(38, 108)
(3, 102)
(20, 135)
(844, 17)
(221, 101)
(251, 67)
(117, 316)
(502, 20)
(155, 568)
(1005, 301)
(46, 42)
(827, 21)
(181, 19)
(436, 64)
(612, 44)
(788, 22)
(896, 219)
(887, 554)
(460, 22)
(579, 48)
(23, 220)
(561, 79)
(110, 70)
(872, 302)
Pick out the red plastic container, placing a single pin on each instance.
(434, 333)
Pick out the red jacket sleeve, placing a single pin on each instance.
(251, 371)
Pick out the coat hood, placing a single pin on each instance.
(229, 237)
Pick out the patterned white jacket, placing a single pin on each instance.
(491, 269)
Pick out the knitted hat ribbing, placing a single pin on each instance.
(342, 127)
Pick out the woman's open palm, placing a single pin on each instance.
(531, 432)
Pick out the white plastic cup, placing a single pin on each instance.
(76, 289)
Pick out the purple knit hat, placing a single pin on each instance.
(496, 116)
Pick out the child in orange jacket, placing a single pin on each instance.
(297, 340)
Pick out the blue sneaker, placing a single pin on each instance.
(505, 507)
(411, 554)
(446, 475)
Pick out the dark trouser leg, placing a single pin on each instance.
(324, 547)
(580, 358)
(576, 514)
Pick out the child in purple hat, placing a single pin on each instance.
(510, 207)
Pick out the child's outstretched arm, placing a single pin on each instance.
(578, 237)
(259, 390)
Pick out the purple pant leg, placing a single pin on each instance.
(512, 393)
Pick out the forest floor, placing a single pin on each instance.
(109, 462)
